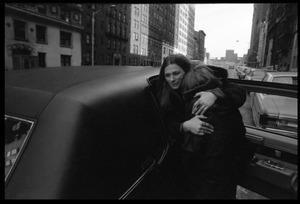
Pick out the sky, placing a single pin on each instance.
(224, 25)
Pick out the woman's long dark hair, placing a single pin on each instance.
(164, 89)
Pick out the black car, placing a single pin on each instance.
(97, 133)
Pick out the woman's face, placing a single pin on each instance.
(174, 75)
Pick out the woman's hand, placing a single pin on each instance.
(206, 100)
(196, 126)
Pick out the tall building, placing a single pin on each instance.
(181, 28)
(168, 40)
(111, 34)
(274, 36)
(258, 35)
(282, 36)
(42, 35)
(200, 39)
(230, 56)
(155, 35)
(190, 31)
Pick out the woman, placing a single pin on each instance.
(213, 162)
(172, 105)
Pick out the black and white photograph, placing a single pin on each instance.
(120, 101)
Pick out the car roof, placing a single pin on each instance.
(27, 92)
(283, 73)
(56, 79)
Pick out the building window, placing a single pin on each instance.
(108, 27)
(54, 9)
(135, 49)
(136, 11)
(114, 13)
(114, 29)
(124, 60)
(114, 45)
(42, 59)
(119, 46)
(120, 30)
(65, 60)
(88, 39)
(65, 39)
(120, 16)
(123, 47)
(20, 30)
(108, 44)
(41, 8)
(88, 57)
(88, 21)
(65, 15)
(124, 18)
(76, 17)
(40, 34)
(135, 36)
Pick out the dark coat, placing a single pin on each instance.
(214, 152)
(213, 163)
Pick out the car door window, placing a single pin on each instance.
(271, 121)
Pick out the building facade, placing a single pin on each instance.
(230, 56)
(169, 19)
(190, 31)
(61, 34)
(200, 39)
(42, 35)
(111, 34)
(274, 37)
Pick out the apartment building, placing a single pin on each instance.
(111, 34)
(190, 31)
(200, 41)
(66, 34)
(274, 37)
(42, 35)
(168, 30)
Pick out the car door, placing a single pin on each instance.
(273, 172)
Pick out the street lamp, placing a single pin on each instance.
(93, 29)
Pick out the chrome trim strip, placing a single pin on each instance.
(137, 182)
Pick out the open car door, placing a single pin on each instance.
(273, 172)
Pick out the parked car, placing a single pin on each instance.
(241, 71)
(256, 74)
(97, 133)
(273, 112)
